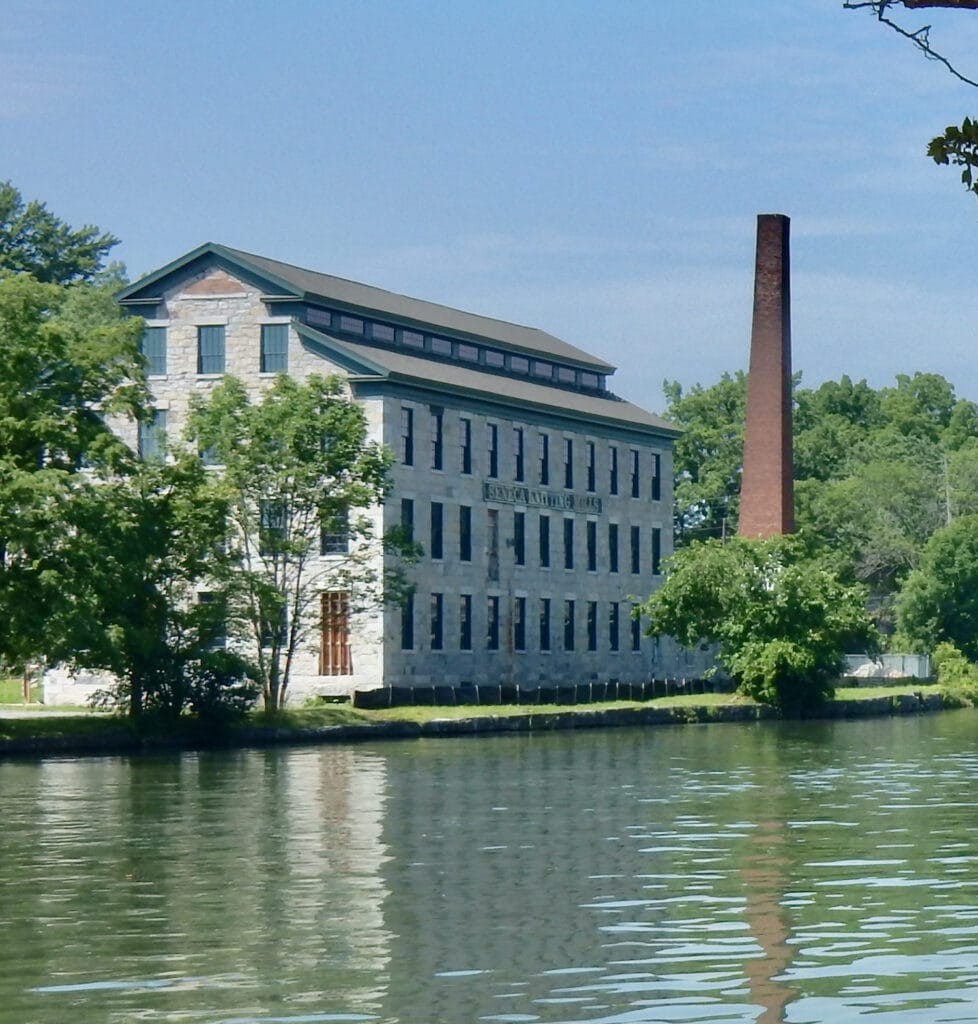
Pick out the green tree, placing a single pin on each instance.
(140, 551)
(34, 241)
(781, 619)
(63, 370)
(297, 462)
(708, 455)
(939, 601)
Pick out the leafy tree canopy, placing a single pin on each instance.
(939, 601)
(66, 362)
(139, 549)
(782, 620)
(34, 241)
(876, 470)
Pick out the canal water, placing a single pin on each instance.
(810, 872)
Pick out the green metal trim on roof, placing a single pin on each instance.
(354, 362)
(499, 389)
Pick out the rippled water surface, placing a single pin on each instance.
(804, 872)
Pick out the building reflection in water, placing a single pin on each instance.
(231, 882)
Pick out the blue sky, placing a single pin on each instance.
(593, 169)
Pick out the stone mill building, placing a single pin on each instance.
(542, 501)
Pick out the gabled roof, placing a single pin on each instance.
(404, 367)
(311, 286)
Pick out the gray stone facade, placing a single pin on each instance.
(465, 404)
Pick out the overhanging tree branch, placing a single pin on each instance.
(921, 36)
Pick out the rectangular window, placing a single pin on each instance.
(612, 470)
(441, 347)
(334, 533)
(568, 543)
(437, 621)
(519, 538)
(544, 623)
(612, 547)
(153, 348)
(492, 433)
(407, 623)
(636, 537)
(519, 624)
(271, 527)
(592, 625)
(614, 625)
(334, 650)
(151, 442)
(656, 474)
(568, 625)
(636, 630)
(568, 463)
(492, 547)
(468, 353)
(495, 359)
(492, 623)
(437, 438)
(465, 622)
(412, 339)
(465, 533)
(382, 332)
(591, 468)
(592, 545)
(545, 541)
(635, 475)
(274, 356)
(518, 454)
(656, 551)
(407, 518)
(407, 436)
(214, 624)
(350, 324)
(544, 459)
(465, 445)
(210, 349)
(436, 544)
(519, 364)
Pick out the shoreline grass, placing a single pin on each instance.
(86, 725)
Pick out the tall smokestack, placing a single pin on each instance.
(767, 488)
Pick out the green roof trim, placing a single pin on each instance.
(417, 371)
(355, 363)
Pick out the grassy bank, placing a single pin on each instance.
(59, 731)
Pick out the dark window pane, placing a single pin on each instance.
(210, 349)
(153, 347)
(350, 324)
(274, 348)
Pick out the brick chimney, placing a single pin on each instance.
(767, 488)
